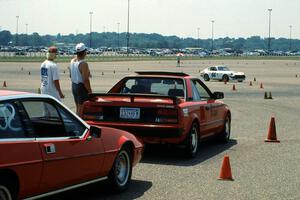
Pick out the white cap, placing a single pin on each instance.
(80, 47)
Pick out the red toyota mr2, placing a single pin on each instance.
(162, 107)
(46, 149)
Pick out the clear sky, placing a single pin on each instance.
(233, 18)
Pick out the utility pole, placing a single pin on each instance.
(269, 40)
(17, 30)
(118, 35)
(291, 37)
(128, 29)
(91, 13)
(212, 35)
(198, 32)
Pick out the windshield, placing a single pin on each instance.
(161, 86)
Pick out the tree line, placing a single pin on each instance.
(153, 40)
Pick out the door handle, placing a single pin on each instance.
(49, 148)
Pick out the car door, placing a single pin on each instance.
(211, 106)
(69, 155)
(213, 72)
(18, 149)
(201, 108)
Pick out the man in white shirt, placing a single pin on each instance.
(80, 77)
(50, 75)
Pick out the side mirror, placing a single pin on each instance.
(95, 131)
(218, 95)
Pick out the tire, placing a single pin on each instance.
(206, 77)
(224, 136)
(225, 77)
(7, 191)
(192, 142)
(120, 174)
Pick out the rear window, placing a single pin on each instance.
(10, 123)
(161, 86)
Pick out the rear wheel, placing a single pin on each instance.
(192, 142)
(120, 174)
(225, 77)
(206, 77)
(224, 136)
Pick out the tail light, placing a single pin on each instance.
(166, 115)
(92, 112)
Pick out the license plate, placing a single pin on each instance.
(129, 113)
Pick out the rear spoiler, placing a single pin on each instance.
(132, 96)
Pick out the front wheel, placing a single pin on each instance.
(121, 171)
(206, 77)
(225, 78)
(5, 192)
(224, 136)
(192, 142)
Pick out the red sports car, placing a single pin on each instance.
(46, 149)
(162, 107)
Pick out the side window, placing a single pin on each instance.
(196, 95)
(73, 126)
(10, 122)
(128, 85)
(213, 69)
(45, 119)
(204, 95)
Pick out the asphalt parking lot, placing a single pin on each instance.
(260, 170)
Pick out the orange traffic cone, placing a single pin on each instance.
(272, 132)
(250, 83)
(233, 87)
(270, 95)
(266, 95)
(225, 173)
(261, 86)
(4, 84)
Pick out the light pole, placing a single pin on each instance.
(128, 29)
(103, 29)
(212, 35)
(291, 37)
(269, 40)
(17, 30)
(26, 29)
(118, 35)
(198, 32)
(91, 13)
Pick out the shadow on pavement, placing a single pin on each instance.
(101, 190)
(171, 155)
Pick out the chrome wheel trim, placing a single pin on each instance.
(227, 128)
(194, 140)
(4, 193)
(122, 168)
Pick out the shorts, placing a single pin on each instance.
(80, 93)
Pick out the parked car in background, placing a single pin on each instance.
(46, 149)
(221, 73)
(162, 108)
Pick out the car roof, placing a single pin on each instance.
(10, 94)
(163, 73)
